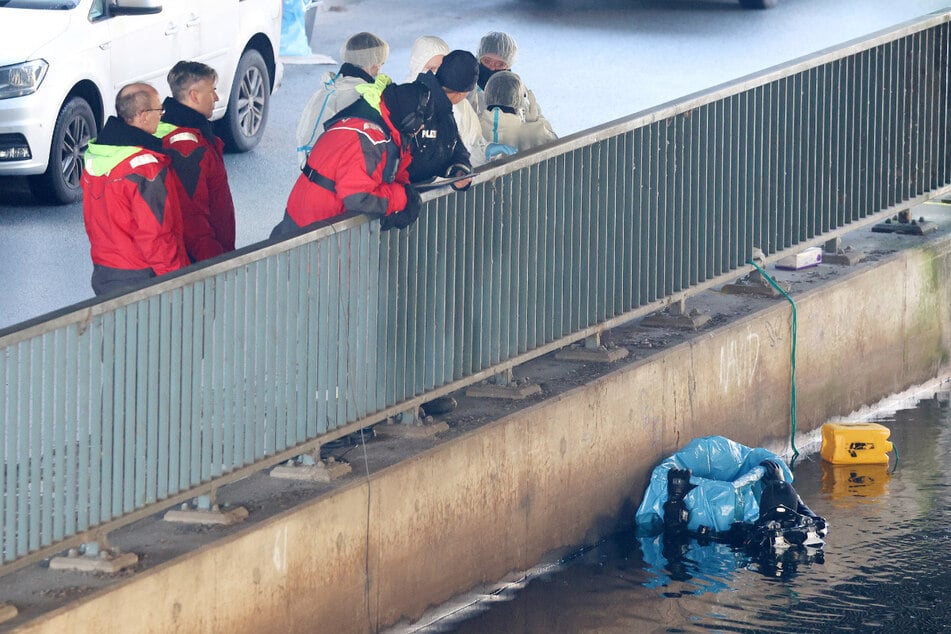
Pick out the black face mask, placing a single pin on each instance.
(484, 74)
(413, 121)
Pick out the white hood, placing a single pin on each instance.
(23, 32)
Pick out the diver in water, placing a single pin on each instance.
(676, 514)
(779, 493)
(784, 519)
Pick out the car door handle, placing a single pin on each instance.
(193, 21)
(105, 46)
(171, 28)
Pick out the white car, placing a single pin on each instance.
(63, 61)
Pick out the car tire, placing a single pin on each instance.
(60, 184)
(243, 124)
(758, 4)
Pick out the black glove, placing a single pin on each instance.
(407, 215)
(773, 472)
(459, 169)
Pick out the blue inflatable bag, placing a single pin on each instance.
(726, 485)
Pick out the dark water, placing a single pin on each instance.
(886, 566)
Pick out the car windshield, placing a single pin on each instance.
(55, 5)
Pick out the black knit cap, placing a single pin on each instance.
(409, 105)
(459, 71)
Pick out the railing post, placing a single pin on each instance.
(676, 315)
(833, 253)
(591, 350)
(204, 510)
(311, 468)
(95, 556)
(504, 385)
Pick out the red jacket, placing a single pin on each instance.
(350, 159)
(197, 157)
(130, 203)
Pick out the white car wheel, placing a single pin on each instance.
(243, 125)
(75, 126)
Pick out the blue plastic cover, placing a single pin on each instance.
(727, 483)
(293, 37)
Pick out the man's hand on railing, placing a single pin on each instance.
(407, 215)
(456, 171)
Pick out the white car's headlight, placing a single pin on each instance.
(22, 79)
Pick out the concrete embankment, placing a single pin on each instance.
(382, 547)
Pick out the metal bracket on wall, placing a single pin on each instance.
(591, 350)
(204, 510)
(94, 556)
(753, 284)
(904, 224)
(311, 468)
(411, 423)
(676, 315)
(833, 253)
(504, 385)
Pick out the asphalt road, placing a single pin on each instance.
(588, 63)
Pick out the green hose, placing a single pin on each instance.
(792, 359)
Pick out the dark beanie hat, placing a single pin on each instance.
(409, 105)
(459, 71)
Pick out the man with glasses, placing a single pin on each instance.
(198, 159)
(131, 207)
(359, 165)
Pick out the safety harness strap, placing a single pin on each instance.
(319, 179)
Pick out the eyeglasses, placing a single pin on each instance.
(162, 110)
(493, 63)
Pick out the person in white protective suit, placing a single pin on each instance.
(363, 56)
(503, 121)
(426, 56)
(497, 52)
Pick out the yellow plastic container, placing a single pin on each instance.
(855, 443)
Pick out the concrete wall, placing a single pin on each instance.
(476, 507)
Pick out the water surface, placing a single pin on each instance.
(885, 566)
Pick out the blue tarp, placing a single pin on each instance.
(727, 483)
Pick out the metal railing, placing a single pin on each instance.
(108, 409)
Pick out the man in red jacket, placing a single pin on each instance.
(198, 161)
(359, 164)
(130, 197)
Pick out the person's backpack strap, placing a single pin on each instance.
(319, 179)
(331, 88)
